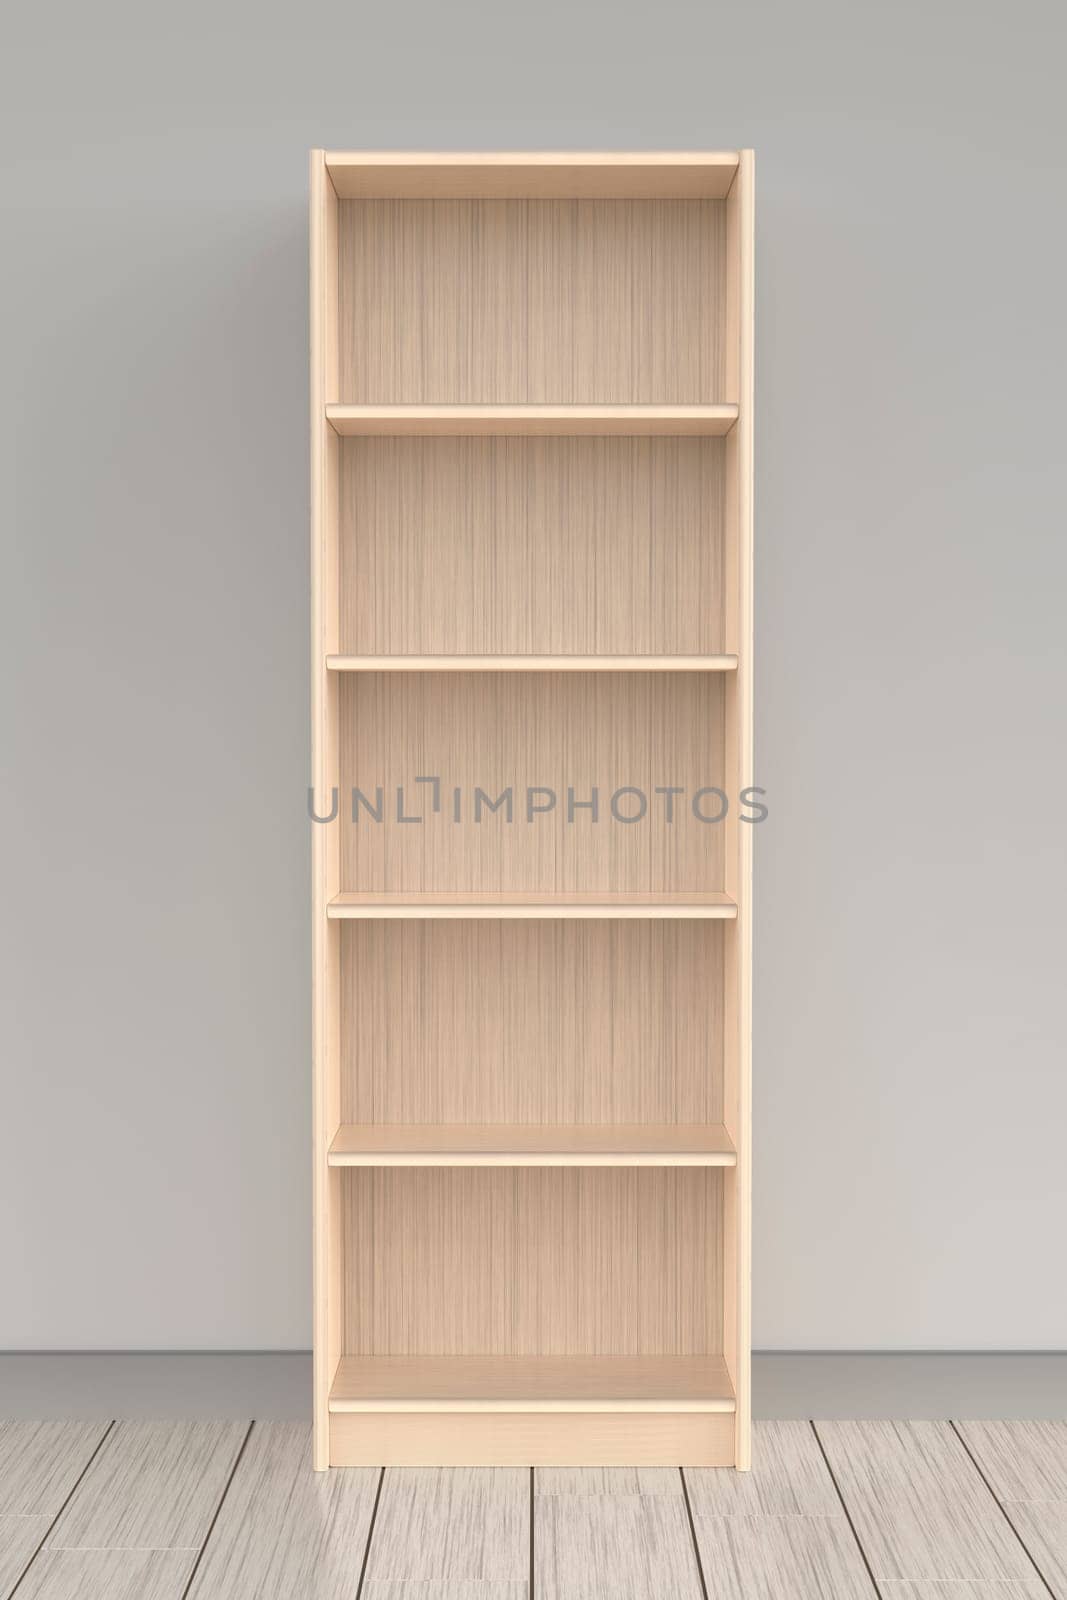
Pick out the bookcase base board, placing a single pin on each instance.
(531, 1439)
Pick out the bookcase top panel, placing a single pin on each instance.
(524, 175)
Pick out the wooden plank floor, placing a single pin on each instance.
(830, 1511)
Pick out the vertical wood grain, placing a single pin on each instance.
(325, 559)
(558, 1261)
(738, 738)
(559, 730)
(532, 1022)
(616, 546)
(531, 301)
(516, 546)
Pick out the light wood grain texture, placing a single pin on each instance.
(788, 1478)
(529, 303)
(607, 550)
(738, 764)
(553, 1261)
(895, 1462)
(781, 1558)
(614, 1547)
(608, 1481)
(494, 733)
(777, 1531)
(446, 1589)
(1042, 1527)
(108, 1575)
(533, 1383)
(532, 444)
(1021, 1460)
(435, 1524)
(538, 1439)
(625, 1145)
(525, 1021)
(531, 663)
(710, 422)
(153, 1486)
(40, 1462)
(557, 905)
(1025, 1465)
(988, 1589)
(325, 867)
(19, 1539)
(919, 1507)
(285, 1530)
(526, 174)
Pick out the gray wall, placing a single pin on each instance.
(910, 1036)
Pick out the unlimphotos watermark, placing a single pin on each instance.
(427, 797)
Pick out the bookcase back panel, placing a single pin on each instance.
(558, 546)
(531, 1022)
(533, 1262)
(497, 302)
(563, 733)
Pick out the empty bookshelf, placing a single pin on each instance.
(532, 803)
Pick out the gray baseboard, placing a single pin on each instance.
(276, 1386)
(935, 1385)
(265, 1385)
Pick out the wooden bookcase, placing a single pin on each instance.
(531, 429)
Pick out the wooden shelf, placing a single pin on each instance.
(348, 663)
(531, 175)
(705, 421)
(515, 1145)
(531, 563)
(711, 903)
(532, 1383)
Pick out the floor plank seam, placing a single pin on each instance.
(848, 1514)
(530, 1581)
(131, 1549)
(370, 1533)
(101, 1442)
(218, 1508)
(693, 1534)
(1002, 1508)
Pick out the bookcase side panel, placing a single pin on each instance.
(738, 591)
(327, 1253)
